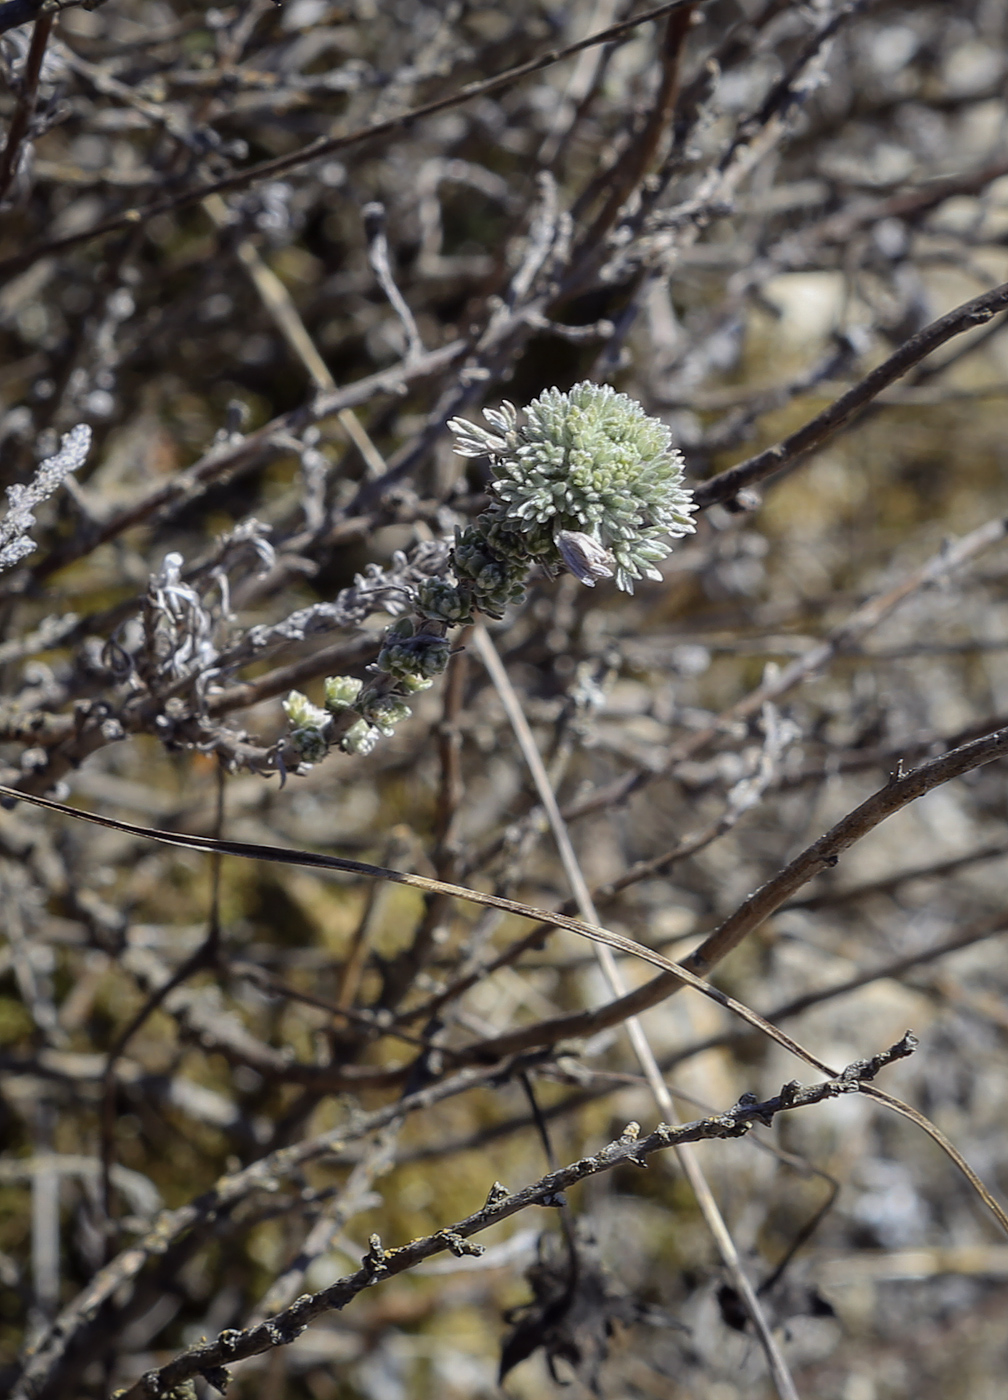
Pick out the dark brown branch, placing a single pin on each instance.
(624, 176)
(315, 860)
(824, 853)
(792, 449)
(14, 13)
(821, 855)
(25, 109)
(751, 914)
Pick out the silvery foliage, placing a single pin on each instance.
(181, 625)
(588, 482)
(391, 591)
(186, 639)
(187, 631)
(178, 626)
(50, 475)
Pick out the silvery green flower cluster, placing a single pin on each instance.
(586, 482)
(587, 475)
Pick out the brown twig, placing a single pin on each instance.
(787, 453)
(27, 97)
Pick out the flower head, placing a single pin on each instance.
(384, 712)
(360, 738)
(589, 464)
(309, 727)
(340, 692)
(441, 601)
(493, 573)
(584, 556)
(302, 713)
(311, 744)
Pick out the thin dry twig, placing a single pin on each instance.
(27, 98)
(840, 640)
(210, 1359)
(778, 1368)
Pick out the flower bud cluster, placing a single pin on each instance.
(340, 692)
(587, 482)
(360, 738)
(408, 662)
(439, 600)
(494, 572)
(413, 658)
(309, 731)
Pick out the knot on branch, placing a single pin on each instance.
(459, 1246)
(498, 1192)
(374, 1261)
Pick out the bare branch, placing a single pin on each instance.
(210, 1359)
(792, 450)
